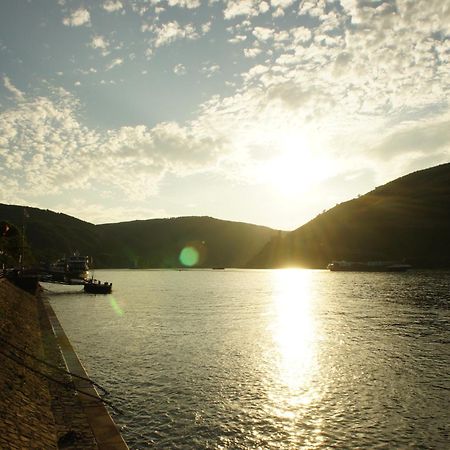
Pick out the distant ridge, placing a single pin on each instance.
(406, 219)
(153, 243)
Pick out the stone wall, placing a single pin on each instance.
(26, 418)
(38, 407)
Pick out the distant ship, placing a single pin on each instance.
(370, 266)
(75, 269)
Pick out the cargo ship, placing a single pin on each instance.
(370, 266)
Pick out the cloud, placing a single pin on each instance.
(112, 5)
(39, 135)
(96, 212)
(262, 33)
(235, 8)
(362, 83)
(425, 138)
(237, 39)
(315, 8)
(46, 151)
(206, 27)
(252, 52)
(78, 17)
(99, 42)
(172, 31)
(114, 63)
(189, 4)
(179, 69)
(210, 69)
(12, 89)
(281, 3)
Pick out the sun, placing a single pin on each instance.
(296, 167)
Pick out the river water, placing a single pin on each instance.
(270, 359)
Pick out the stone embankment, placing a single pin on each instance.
(39, 406)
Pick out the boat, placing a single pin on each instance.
(96, 287)
(72, 270)
(370, 266)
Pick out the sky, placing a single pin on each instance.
(260, 111)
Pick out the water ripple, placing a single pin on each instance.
(270, 359)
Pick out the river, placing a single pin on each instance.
(270, 359)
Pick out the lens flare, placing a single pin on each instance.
(115, 306)
(189, 256)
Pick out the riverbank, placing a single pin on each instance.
(39, 406)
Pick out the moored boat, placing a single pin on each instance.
(73, 269)
(369, 266)
(96, 287)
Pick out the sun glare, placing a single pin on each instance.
(297, 166)
(294, 327)
(295, 338)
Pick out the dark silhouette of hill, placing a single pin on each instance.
(154, 243)
(51, 235)
(159, 242)
(407, 219)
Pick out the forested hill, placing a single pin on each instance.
(407, 219)
(50, 235)
(159, 242)
(154, 243)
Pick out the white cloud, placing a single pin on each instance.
(262, 33)
(148, 53)
(189, 4)
(18, 94)
(237, 39)
(279, 12)
(210, 69)
(78, 17)
(89, 71)
(179, 69)
(263, 7)
(315, 8)
(99, 42)
(252, 52)
(367, 85)
(112, 5)
(172, 31)
(281, 3)
(45, 133)
(114, 63)
(206, 27)
(235, 8)
(96, 212)
(45, 151)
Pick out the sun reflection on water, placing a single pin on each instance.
(294, 334)
(293, 328)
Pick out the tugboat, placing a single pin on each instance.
(96, 287)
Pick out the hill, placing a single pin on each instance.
(154, 243)
(159, 242)
(406, 219)
(50, 235)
